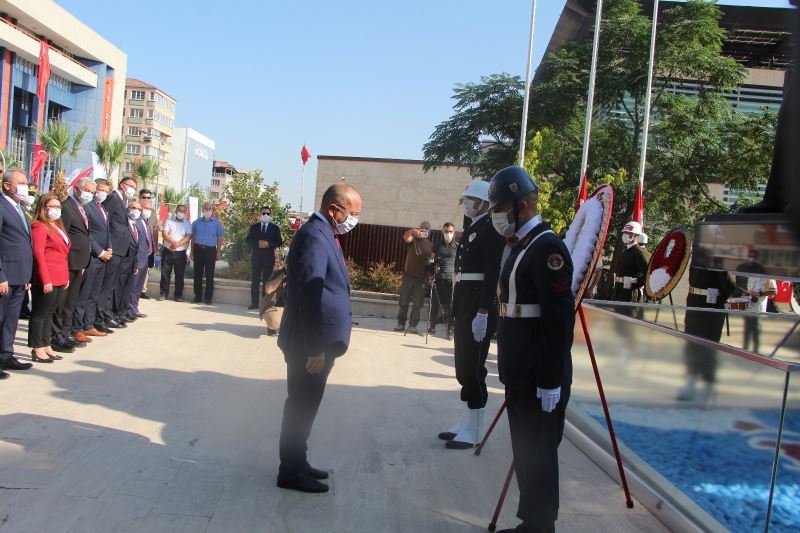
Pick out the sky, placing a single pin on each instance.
(349, 77)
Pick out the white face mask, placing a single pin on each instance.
(146, 213)
(423, 233)
(133, 214)
(628, 239)
(502, 225)
(448, 236)
(22, 190)
(130, 192)
(100, 196)
(469, 208)
(348, 224)
(53, 213)
(26, 200)
(206, 215)
(265, 219)
(180, 216)
(84, 196)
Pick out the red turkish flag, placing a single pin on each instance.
(582, 195)
(163, 213)
(39, 158)
(84, 174)
(44, 71)
(638, 206)
(305, 155)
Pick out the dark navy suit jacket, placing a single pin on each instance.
(16, 251)
(272, 236)
(79, 249)
(118, 231)
(142, 251)
(98, 228)
(317, 317)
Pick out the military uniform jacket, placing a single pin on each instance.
(632, 263)
(700, 323)
(479, 252)
(536, 351)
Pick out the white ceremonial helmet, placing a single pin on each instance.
(632, 227)
(643, 238)
(477, 189)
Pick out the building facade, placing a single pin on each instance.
(85, 88)
(148, 125)
(192, 159)
(397, 192)
(220, 176)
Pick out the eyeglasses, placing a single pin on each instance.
(346, 212)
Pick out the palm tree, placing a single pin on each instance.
(145, 169)
(58, 142)
(111, 153)
(170, 196)
(9, 161)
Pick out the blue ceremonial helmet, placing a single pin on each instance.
(510, 184)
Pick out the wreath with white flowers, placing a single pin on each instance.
(587, 236)
(668, 263)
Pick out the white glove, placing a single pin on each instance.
(479, 326)
(549, 398)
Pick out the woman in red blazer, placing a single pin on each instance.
(50, 275)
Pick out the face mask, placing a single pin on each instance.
(501, 224)
(423, 233)
(146, 213)
(180, 216)
(133, 214)
(265, 219)
(448, 236)
(85, 197)
(54, 213)
(469, 208)
(130, 192)
(348, 224)
(26, 200)
(627, 238)
(100, 196)
(207, 214)
(22, 190)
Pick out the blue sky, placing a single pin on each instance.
(356, 77)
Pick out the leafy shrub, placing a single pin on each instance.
(239, 269)
(377, 277)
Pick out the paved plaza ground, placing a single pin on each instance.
(172, 425)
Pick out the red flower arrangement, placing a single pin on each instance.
(668, 263)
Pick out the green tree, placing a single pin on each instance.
(58, 141)
(171, 197)
(482, 133)
(203, 194)
(110, 153)
(246, 193)
(145, 170)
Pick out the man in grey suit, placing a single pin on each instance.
(142, 261)
(16, 265)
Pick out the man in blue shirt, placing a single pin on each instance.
(208, 237)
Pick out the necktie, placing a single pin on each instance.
(149, 240)
(24, 220)
(135, 233)
(83, 214)
(100, 208)
(263, 228)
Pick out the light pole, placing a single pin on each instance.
(148, 139)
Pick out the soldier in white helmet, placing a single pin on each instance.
(474, 309)
(631, 268)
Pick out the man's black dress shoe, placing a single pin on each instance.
(75, 343)
(315, 472)
(144, 296)
(302, 482)
(114, 324)
(9, 362)
(103, 329)
(63, 348)
(271, 333)
(178, 299)
(122, 319)
(4, 375)
(140, 315)
(130, 317)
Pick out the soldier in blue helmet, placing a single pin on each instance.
(534, 339)
(474, 309)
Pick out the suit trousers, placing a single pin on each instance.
(205, 258)
(105, 304)
(10, 305)
(260, 271)
(535, 436)
(40, 325)
(122, 297)
(62, 318)
(137, 286)
(412, 291)
(85, 313)
(304, 396)
(470, 356)
(172, 259)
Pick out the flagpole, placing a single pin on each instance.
(302, 187)
(526, 99)
(648, 98)
(587, 130)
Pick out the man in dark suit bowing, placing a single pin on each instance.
(76, 222)
(123, 250)
(315, 328)
(16, 265)
(264, 237)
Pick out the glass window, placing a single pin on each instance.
(137, 95)
(133, 149)
(134, 130)
(136, 113)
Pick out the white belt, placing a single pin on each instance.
(461, 276)
(699, 292)
(520, 310)
(621, 279)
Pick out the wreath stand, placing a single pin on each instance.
(605, 195)
(666, 291)
(672, 305)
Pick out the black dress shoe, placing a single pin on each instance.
(130, 317)
(144, 296)
(75, 343)
(36, 359)
(122, 320)
(9, 362)
(140, 315)
(252, 306)
(271, 333)
(459, 445)
(103, 329)
(178, 299)
(315, 472)
(302, 482)
(63, 348)
(114, 324)
(4, 375)
(447, 435)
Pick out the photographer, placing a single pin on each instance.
(444, 256)
(413, 287)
